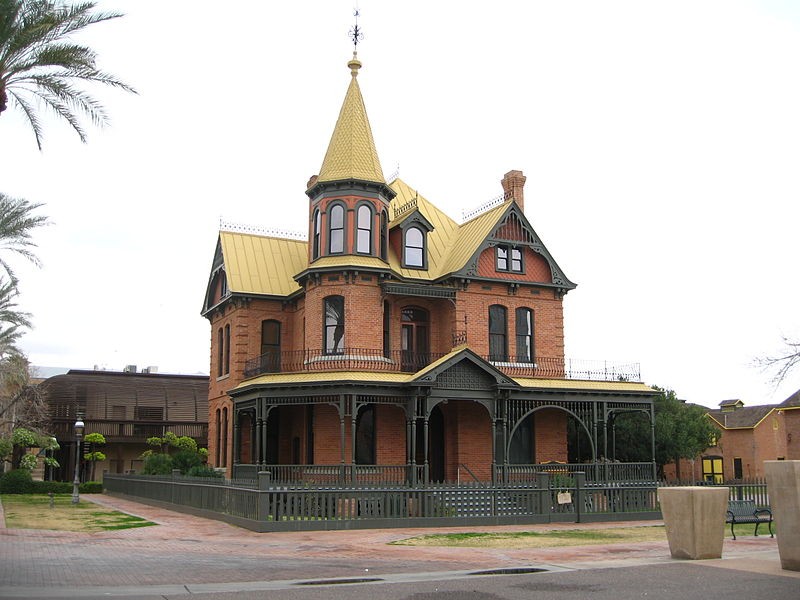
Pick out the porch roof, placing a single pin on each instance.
(400, 378)
(580, 384)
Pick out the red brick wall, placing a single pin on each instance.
(535, 266)
(473, 307)
(550, 427)
(390, 433)
(467, 439)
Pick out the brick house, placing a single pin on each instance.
(749, 435)
(394, 344)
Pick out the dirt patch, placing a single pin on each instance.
(541, 539)
(36, 512)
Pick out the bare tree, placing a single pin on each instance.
(783, 362)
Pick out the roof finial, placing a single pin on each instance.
(356, 35)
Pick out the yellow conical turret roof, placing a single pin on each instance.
(351, 153)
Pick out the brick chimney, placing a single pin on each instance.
(512, 183)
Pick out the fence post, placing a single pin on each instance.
(580, 484)
(264, 483)
(545, 499)
(173, 485)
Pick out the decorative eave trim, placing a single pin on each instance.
(340, 185)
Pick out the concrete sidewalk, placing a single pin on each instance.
(184, 551)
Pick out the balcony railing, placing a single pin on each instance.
(133, 431)
(400, 361)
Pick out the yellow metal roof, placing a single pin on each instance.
(577, 385)
(450, 245)
(351, 153)
(321, 377)
(262, 265)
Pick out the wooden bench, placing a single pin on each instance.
(745, 511)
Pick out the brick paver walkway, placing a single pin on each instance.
(187, 549)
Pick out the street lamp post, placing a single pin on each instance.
(76, 481)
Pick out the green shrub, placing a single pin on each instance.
(157, 464)
(91, 487)
(185, 460)
(203, 471)
(57, 487)
(17, 481)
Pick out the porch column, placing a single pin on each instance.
(341, 436)
(426, 469)
(653, 441)
(411, 425)
(259, 432)
(353, 417)
(235, 454)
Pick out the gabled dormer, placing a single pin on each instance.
(512, 251)
(349, 199)
(409, 236)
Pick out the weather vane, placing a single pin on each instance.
(355, 32)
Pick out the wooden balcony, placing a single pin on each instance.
(131, 431)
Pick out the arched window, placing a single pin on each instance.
(333, 334)
(223, 439)
(384, 235)
(387, 316)
(270, 346)
(414, 248)
(317, 225)
(218, 456)
(498, 345)
(524, 329)
(220, 352)
(227, 344)
(364, 230)
(336, 229)
(414, 339)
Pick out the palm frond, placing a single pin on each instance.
(37, 60)
(30, 115)
(17, 221)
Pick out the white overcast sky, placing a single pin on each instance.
(661, 142)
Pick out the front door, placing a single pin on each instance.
(414, 339)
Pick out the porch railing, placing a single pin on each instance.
(334, 475)
(595, 472)
(400, 361)
(410, 475)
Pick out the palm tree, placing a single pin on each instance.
(38, 61)
(16, 222)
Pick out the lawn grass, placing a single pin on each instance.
(556, 537)
(33, 511)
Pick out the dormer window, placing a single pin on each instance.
(509, 259)
(336, 229)
(414, 248)
(364, 230)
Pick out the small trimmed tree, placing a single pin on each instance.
(93, 455)
(187, 455)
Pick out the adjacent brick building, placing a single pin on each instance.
(394, 342)
(749, 435)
